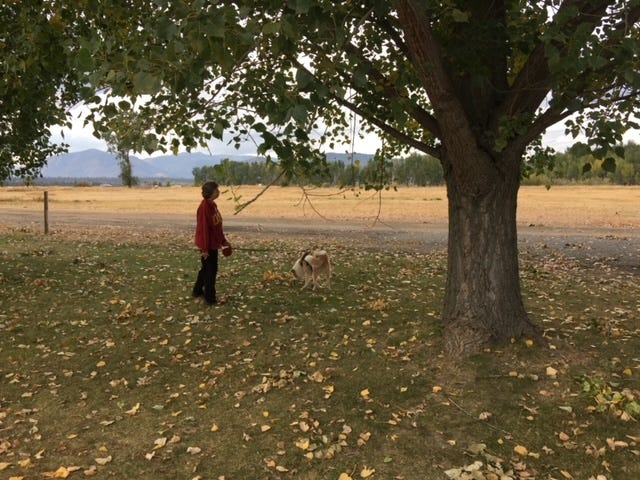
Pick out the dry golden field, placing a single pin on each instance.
(561, 206)
(112, 370)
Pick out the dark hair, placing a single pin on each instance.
(208, 188)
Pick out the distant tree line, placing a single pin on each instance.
(572, 166)
(576, 166)
(414, 170)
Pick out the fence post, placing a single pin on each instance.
(46, 212)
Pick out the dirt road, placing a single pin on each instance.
(617, 247)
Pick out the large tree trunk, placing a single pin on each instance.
(483, 303)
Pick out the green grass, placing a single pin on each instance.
(109, 369)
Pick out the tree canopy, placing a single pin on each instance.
(285, 72)
(472, 83)
(37, 86)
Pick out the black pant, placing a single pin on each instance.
(206, 281)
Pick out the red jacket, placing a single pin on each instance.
(209, 232)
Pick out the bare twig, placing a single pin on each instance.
(475, 418)
(306, 199)
(246, 204)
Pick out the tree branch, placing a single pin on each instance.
(533, 82)
(423, 117)
(425, 56)
(381, 124)
(386, 128)
(553, 116)
(259, 194)
(457, 135)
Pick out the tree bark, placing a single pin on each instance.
(483, 303)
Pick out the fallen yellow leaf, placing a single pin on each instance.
(363, 438)
(62, 472)
(302, 443)
(133, 410)
(365, 393)
(367, 472)
(91, 471)
(328, 390)
(160, 442)
(520, 450)
(345, 476)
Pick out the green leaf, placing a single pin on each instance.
(271, 28)
(85, 60)
(303, 6)
(609, 165)
(460, 16)
(299, 113)
(619, 151)
(146, 83)
(633, 409)
(360, 77)
(303, 79)
(215, 27)
(166, 28)
(580, 150)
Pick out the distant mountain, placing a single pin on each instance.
(98, 164)
(95, 164)
(182, 165)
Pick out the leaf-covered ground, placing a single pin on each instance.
(109, 369)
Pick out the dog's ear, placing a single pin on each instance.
(304, 255)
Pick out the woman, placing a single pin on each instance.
(209, 239)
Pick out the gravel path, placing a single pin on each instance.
(616, 247)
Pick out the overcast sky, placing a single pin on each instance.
(81, 138)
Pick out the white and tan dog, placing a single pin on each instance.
(310, 266)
